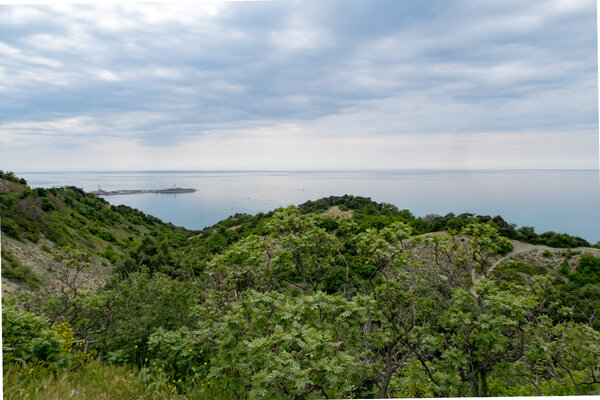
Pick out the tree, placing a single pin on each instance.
(151, 256)
(269, 345)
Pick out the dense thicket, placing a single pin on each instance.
(371, 214)
(291, 304)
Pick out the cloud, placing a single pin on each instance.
(357, 74)
(286, 148)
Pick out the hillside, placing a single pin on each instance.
(36, 223)
(340, 297)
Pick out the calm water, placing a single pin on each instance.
(562, 201)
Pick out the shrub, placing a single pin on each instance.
(587, 271)
(176, 351)
(102, 234)
(13, 269)
(10, 228)
(146, 304)
(47, 205)
(27, 338)
(111, 255)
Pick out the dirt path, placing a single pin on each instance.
(520, 248)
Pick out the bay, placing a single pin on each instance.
(565, 201)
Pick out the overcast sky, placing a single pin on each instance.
(299, 85)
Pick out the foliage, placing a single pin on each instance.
(149, 256)
(176, 351)
(10, 176)
(273, 346)
(26, 337)
(517, 271)
(587, 271)
(292, 304)
(13, 269)
(68, 216)
(480, 330)
(143, 304)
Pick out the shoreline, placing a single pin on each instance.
(141, 191)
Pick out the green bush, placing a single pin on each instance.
(102, 234)
(10, 228)
(13, 269)
(27, 338)
(111, 255)
(47, 205)
(513, 271)
(175, 351)
(147, 303)
(587, 271)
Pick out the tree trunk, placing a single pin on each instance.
(389, 371)
(483, 389)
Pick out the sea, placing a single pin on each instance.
(564, 201)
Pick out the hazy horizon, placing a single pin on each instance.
(307, 170)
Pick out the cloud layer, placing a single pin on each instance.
(299, 85)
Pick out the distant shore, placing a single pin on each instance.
(141, 191)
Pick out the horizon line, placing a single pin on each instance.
(305, 170)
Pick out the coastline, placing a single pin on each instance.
(142, 191)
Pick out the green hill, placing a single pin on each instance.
(340, 297)
(37, 222)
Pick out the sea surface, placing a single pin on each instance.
(565, 201)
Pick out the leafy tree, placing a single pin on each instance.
(144, 304)
(152, 256)
(480, 330)
(275, 346)
(561, 359)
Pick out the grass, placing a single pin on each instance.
(93, 381)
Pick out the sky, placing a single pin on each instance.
(299, 85)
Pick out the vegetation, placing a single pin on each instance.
(290, 304)
(14, 269)
(371, 214)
